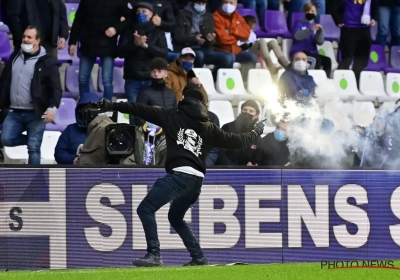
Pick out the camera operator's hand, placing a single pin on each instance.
(258, 127)
(105, 105)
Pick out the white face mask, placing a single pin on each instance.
(28, 48)
(228, 8)
(300, 66)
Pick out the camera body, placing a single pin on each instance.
(92, 113)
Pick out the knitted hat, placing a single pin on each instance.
(144, 5)
(251, 103)
(193, 91)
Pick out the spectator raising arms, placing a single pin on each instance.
(140, 42)
(307, 35)
(93, 28)
(230, 27)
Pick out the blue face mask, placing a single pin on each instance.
(199, 8)
(187, 66)
(279, 135)
(141, 18)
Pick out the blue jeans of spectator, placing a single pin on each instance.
(220, 59)
(246, 57)
(272, 5)
(132, 88)
(297, 6)
(183, 190)
(172, 56)
(85, 71)
(259, 5)
(18, 121)
(389, 18)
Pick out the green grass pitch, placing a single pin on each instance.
(306, 271)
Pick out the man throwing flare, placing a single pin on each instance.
(190, 136)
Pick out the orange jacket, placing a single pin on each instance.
(230, 29)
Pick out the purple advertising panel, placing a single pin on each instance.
(79, 218)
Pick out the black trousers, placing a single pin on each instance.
(183, 190)
(355, 44)
(322, 61)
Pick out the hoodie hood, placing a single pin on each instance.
(83, 101)
(196, 113)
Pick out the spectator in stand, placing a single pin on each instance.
(157, 94)
(243, 123)
(172, 54)
(94, 29)
(272, 150)
(262, 48)
(307, 35)
(66, 151)
(180, 73)
(296, 6)
(140, 42)
(389, 19)
(355, 18)
(212, 156)
(30, 87)
(230, 27)
(49, 16)
(295, 83)
(195, 29)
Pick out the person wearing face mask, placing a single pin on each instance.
(307, 35)
(139, 43)
(295, 83)
(157, 94)
(230, 27)
(66, 151)
(272, 150)
(250, 112)
(180, 73)
(30, 88)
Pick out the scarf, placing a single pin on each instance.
(366, 17)
(149, 147)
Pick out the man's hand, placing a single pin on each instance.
(251, 164)
(72, 50)
(258, 127)
(316, 27)
(61, 43)
(287, 164)
(195, 81)
(76, 160)
(137, 39)
(49, 116)
(340, 25)
(110, 32)
(156, 20)
(199, 39)
(105, 105)
(210, 36)
(373, 22)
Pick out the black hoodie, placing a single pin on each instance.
(190, 134)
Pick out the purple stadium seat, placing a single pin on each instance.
(4, 28)
(258, 31)
(5, 47)
(331, 31)
(71, 79)
(65, 115)
(275, 25)
(295, 17)
(377, 59)
(71, 11)
(118, 81)
(394, 64)
(64, 57)
(72, 1)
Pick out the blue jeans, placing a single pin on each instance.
(272, 5)
(85, 71)
(183, 190)
(172, 56)
(259, 6)
(220, 59)
(18, 121)
(297, 6)
(132, 88)
(389, 17)
(246, 57)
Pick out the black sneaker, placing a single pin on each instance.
(148, 260)
(195, 262)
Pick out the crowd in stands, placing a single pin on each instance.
(160, 44)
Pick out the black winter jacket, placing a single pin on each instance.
(45, 86)
(92, 19)
(182, 37)
(137, 59)
(189, 133)
(22, 13)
